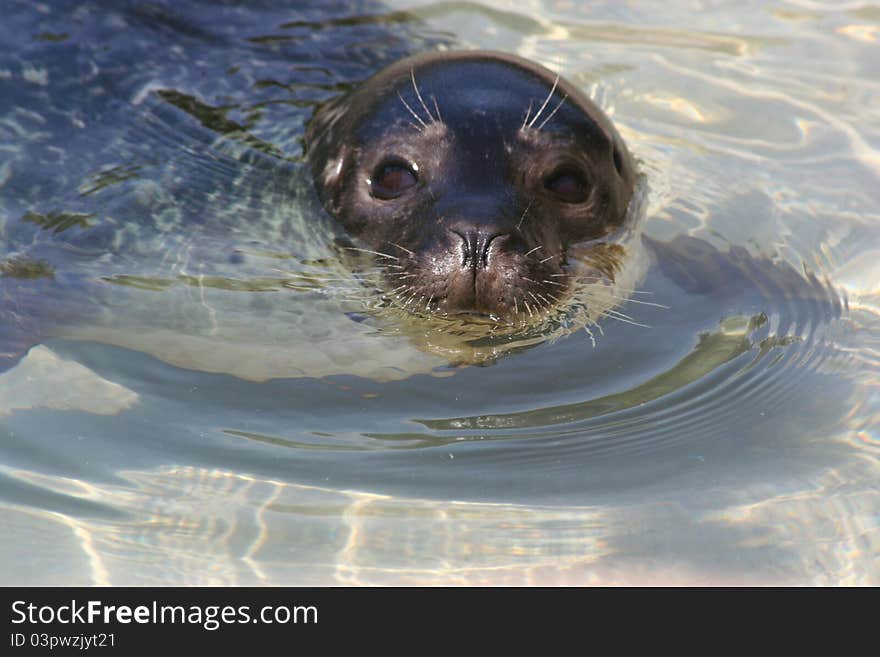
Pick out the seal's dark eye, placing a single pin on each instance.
(391, 179)
(567, 185)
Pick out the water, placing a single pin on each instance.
(206, 407)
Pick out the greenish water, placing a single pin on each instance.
(206, 404)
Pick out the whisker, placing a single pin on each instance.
(532, 251)
(544, 105)
(411, 111)
(528, 113)
(619, 313)
(412, 75)
(523, 217)
(643, 303)
(315, 276)
(378, 253)
(402, 248)
(550, 116)
(623, 318)
(625, 293)
(316, 282)
(546, 305)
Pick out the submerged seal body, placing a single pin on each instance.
(470, 176)
(483, 188)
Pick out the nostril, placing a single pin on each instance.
(471, 246)
(474, 247)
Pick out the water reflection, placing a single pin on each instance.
(727, 434)
(216, 527)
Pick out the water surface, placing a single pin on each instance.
(209, 406)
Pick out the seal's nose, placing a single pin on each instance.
(475, 246)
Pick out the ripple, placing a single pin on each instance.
(152, 181)
(756, 362)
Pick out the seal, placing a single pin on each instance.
(470, 176)
(485, 194)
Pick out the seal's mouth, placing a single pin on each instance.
(508, 289)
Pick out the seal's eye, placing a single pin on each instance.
(391, 179)
(568, 185)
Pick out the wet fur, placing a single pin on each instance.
(427, 246)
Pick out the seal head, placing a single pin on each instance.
(470, 175)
